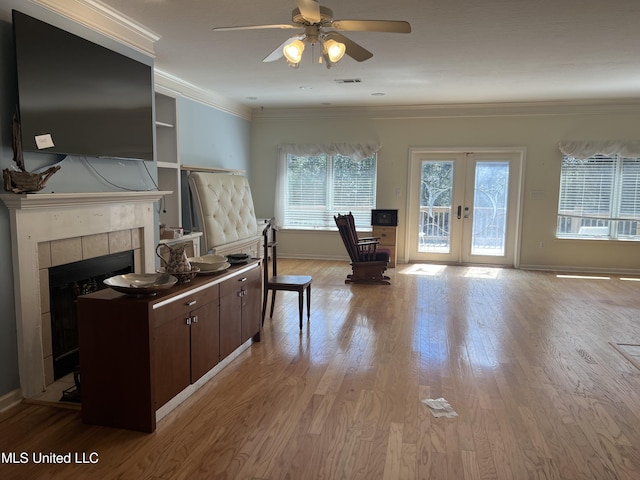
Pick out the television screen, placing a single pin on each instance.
(79, 98)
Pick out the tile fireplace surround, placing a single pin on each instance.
(40, 223)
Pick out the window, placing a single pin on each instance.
(599, 197)
(319, 187)
(319, 182)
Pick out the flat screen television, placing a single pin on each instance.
(79, 98)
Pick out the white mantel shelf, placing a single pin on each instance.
(57, 200)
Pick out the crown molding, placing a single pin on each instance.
(400, 112)
(100, 17)
(176, 86)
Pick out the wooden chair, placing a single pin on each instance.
(368, 263)
(275, 282)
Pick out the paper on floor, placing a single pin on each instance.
(440, 408)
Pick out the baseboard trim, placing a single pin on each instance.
(594, 270)
(300, 256)
(9, 400)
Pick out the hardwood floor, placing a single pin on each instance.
(524, 358)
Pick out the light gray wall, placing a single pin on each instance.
(539, 128)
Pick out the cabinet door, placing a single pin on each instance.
(205, 340)
(171, 357)
(251, 304)
(230, 318)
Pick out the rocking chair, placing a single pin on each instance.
(368, 263)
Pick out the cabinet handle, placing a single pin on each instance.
(194, 319)
(188, 320)
(243, 279)
(191, 303)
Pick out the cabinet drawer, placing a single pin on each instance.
(387, 235)
(235, 284)
(183, 306)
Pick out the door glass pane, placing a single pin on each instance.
(488, 236)
(435, 206)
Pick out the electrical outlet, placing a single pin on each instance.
(541, 244)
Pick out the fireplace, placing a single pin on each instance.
(66, 283)
(48, 230)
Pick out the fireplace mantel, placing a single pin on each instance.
(43, 217)
(57, 200)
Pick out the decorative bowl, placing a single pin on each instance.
(238, 258)
(210, 262)
(183, 277)
(221, 268)
(141, 283)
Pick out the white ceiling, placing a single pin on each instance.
(459, 51)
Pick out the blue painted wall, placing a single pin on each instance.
(212, 138)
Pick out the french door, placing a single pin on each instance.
(464, 207)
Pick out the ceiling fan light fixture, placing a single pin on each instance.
(293, 52)
(334, 50)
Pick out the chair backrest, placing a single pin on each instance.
(346, 227)
(269, 243)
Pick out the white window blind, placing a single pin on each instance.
(599, 198)
(317, 187)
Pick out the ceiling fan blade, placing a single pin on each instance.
(355, 51)
(391, 26)
(310, 10)
(254, 27)
(278, 53)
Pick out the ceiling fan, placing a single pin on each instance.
(314, 20)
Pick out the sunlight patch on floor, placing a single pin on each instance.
(482, 272)
(424, 269)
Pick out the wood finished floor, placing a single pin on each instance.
(524, 358)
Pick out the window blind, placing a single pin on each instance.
(599, 197)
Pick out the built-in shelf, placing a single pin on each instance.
(170, 165)
(198, 168)
(168, 159)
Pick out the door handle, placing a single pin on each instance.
(459, 212)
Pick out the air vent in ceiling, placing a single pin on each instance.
(348, 80)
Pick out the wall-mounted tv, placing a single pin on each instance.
(79, 98)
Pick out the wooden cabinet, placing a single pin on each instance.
(138, 353)
(185, 336)
(388, 239)
(239, 310)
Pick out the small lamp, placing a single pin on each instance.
(334, 50)
(293, 53)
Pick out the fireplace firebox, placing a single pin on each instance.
(66, 283)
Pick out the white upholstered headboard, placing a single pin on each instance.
(224, 207)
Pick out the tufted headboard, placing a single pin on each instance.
(224, 207)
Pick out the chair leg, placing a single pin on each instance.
(264, 305)
(308, 302)
(273, 302)
(300, 305)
